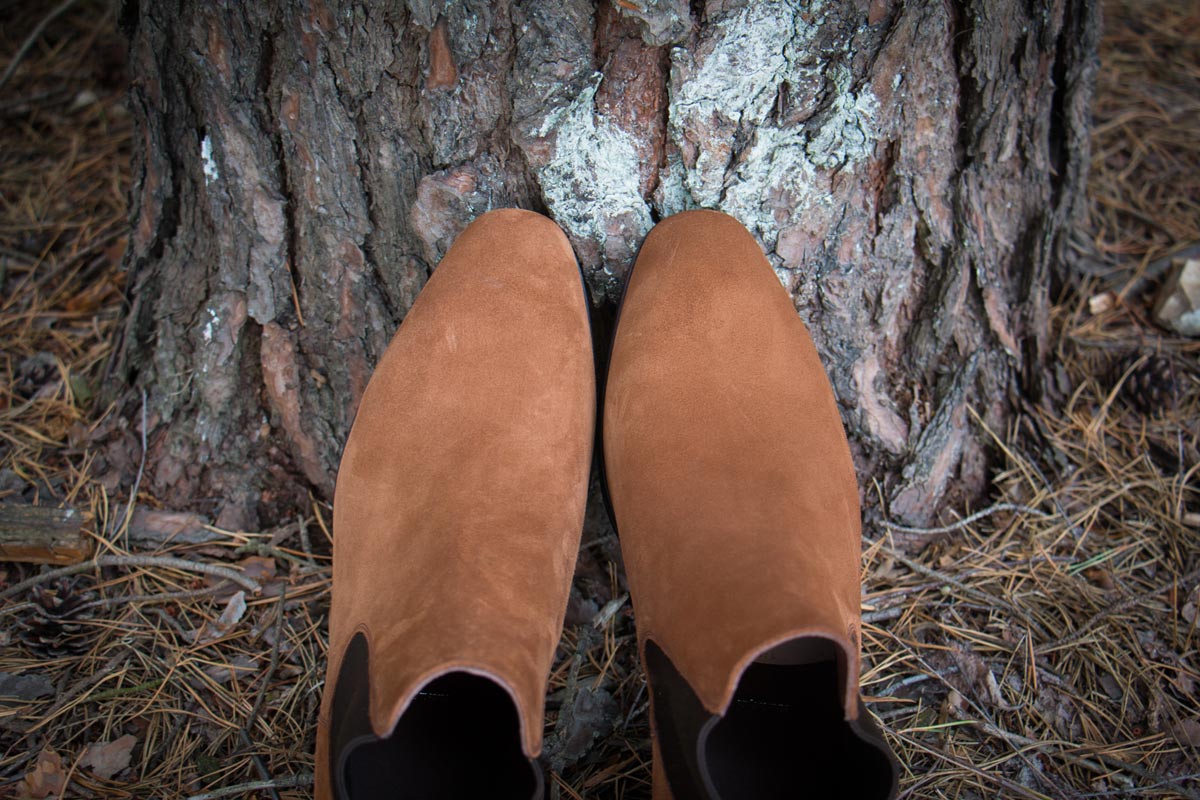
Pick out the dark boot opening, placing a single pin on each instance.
(785, 734)
(459, 738)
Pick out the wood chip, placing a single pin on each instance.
(39, 535)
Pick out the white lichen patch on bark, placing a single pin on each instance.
(672, 195)
(847, 135)
(737, 152)
(213, 319)
(207, 162)
(727, 82)
(591, 184)
(662, 21)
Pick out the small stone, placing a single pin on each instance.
(84, 99)
(1178, 306)
(1099, 303)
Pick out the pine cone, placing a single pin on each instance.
(57, 624)
(1152, 386)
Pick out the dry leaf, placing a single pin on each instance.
(235, 609)
(993, 689)
(1100, 577)
(23, 688)
(1187, 731)
(1111, 686)
(1189, 602)
(231, 670)
(256, 568)
(106, 760)
(150, 526)
(1184, 681)
(581, 721)
(46, 779)
(1182, 677)
(115, 253)
(979, 676)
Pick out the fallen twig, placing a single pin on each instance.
(296, 781)
(967, 521)
(165, 562)
(147, 599)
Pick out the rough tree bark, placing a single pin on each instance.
(911, 169)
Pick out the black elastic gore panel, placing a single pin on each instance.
(784, 735)
(459, 738)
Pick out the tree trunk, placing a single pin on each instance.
(910, 168)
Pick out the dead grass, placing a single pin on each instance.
(1046, 649)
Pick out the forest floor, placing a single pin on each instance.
(1044, 648)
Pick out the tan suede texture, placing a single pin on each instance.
(460, 497)
(727, 464)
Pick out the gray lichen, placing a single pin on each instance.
(738, 152)
(553, 62)
(426, 12)
(591, 185)
(661, 22)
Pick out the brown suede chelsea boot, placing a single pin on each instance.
(737, 506)
(456, 522)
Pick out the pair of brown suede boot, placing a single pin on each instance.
(460, 502)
